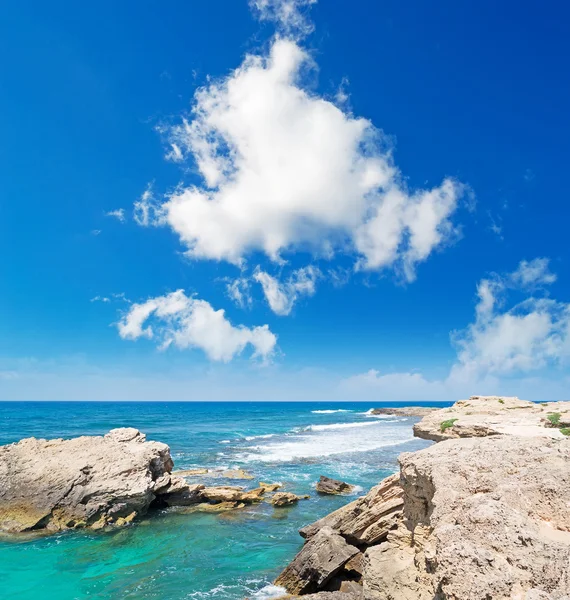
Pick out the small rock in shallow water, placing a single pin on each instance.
(270, 487)
(284, 499)
(326, 485)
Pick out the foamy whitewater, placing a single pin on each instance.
(173, 555)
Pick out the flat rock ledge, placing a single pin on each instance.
(466, 519)
(482, 416)
(97, 482)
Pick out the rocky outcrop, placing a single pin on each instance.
(404, 411)
(465, 519)
(90, 481)
(322, 557)
(326, 485)
(284, 499)
(367, 520)
(484, 518)
(482, 416)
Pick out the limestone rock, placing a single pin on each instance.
(87, 481)
(319, 560)
(482, 416)
(232, 494)
(367, 520)
(326, 485)
(484, 518)
(236, 474)
(191, 472)
(284, 499)
(270, 487)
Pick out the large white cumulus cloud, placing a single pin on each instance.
(286, 170)
(188, 322)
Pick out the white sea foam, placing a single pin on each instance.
(259, 437)
(329, 412)
(329, 441)
(224, 442)
(338, 426)
(268, 592)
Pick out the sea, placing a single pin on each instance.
(174, 555)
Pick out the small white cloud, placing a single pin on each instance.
(290, 16)
(147, 211)
(95, 232)
(239, 291)
(187, 322)
(118, 214)
(281, 296)
(531, 274)
(100, 299)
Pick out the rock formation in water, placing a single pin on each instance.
(480, 518)
(98, 481)
(326, 485)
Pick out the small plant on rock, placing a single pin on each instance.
(447, 424)
(565, 430)
(501, 401)
(554, 418)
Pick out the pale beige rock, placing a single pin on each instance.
(270, 487)
(232, 494)
(284, 499)
(319, 560)
(86, 481)
(236, 474)
(482, 416)
(480, 515)
(368, 519)
(191, 472)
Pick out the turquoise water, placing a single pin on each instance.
(172, 555)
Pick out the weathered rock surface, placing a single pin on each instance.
(328, 596)
(404, 411)
(90, 481)
(480, 518)
(232, 494)
(482, 416)
(367, 520)
(321, 558)
(270, 487)
(284, 499)
(484, 518)
(326, 485)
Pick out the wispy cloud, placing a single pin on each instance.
(118, 214)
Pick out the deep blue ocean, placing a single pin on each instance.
(228, 556)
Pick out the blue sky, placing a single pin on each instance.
(373, 194)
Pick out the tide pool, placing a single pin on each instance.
(229, 556)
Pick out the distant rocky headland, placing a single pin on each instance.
(482, 514)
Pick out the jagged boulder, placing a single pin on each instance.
(322, 557)
(284, 499)
(326, 485)
(367, 520)
(89, 481)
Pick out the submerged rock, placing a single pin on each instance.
(326, 485)
(89, 481)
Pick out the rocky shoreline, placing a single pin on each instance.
(99, 482)
(484, 514)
